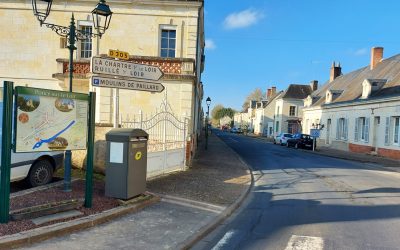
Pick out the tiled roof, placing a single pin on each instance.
(351, 83)
(297, 91)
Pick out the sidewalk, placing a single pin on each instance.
(192, 203)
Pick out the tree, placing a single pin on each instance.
(256, 95)
(216, 109)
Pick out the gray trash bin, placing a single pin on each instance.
(126, 163)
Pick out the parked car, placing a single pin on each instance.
(236, 130)
(282, 138)
(300, 141)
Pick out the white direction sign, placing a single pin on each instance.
(125, 69)
(100, 81)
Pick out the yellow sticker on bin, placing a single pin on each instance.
(138, 155)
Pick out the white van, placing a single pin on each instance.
(37, 167)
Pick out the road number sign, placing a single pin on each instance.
(108, 66)
(100, 81)
(315, 133)
(118, 54)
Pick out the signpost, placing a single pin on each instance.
(100, 81)
(127, 75)
(315, 133)
(106, 66)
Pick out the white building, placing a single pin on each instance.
(288, 108)
(360, 110)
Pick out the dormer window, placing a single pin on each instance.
(370, 86)
(308, 101)
(328, 97)
(331, 95)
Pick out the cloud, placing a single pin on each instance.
(360, 52)
(210, 44)
(242, 19)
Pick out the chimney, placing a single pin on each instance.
(268, 94)
(376, 56)
(273, 91)
(335, 71)
(314, 85)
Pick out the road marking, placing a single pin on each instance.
(224, 240)
(305, 243)
(233, 140)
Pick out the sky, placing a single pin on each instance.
(263, 43)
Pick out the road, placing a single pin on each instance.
(305, 201)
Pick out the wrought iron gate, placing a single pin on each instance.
(167, 139)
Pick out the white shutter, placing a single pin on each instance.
(345, 129)
(356, 125)
(337, 129)
(387, 126)
(366, 129)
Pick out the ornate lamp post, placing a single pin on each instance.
(41, 9)
(208, 102)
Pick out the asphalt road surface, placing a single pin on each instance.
(305, 201)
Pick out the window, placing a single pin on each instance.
(277, 127)
(86, 44)
(361, 129)
(292, 110)
(396, 130)
(277, 111)
(168, 43)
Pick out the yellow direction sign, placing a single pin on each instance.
(118, 54)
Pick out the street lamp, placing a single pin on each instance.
(41, 9)
(208, 102)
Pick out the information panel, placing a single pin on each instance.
(50, 120)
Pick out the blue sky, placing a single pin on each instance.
(262, 43)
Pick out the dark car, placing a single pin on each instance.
(300, 141)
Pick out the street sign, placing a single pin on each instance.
(118, 54)
(100, 81)
(315, 133)
(108, 66)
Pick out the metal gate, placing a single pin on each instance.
(167, 139)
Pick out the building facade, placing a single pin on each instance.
(289, 106)
(168, 34)
(359, 111)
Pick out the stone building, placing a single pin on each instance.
(164, 33)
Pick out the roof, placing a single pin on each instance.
(351, 83)
(297, 91)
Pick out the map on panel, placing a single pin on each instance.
(49, 120)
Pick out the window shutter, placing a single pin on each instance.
(366, 129)
(345, 129)
(337, 129)
(356, 130)
(387, 125)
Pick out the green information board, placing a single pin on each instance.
(50, 120)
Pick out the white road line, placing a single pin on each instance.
(223, 241)
(305, 243)
(233, 140)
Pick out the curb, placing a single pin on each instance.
(43, 233)
(204, 231)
